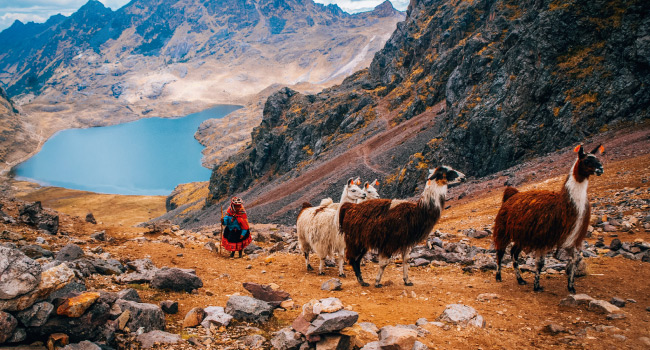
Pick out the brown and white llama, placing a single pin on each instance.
(394, 226)
(317, 227)
(539, 221)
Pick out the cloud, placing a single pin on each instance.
(354, 6)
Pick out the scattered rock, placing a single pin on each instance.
(487, 296)
(91, 218)
(123, 319)
(34, 215)
(463, 315)
(169, 307)
(148, 316)
(51, 280)
(176, 279)
(554, 329)
(333, 284)
(266, 293)
(332, 322)
(361, 334)
(328, 305)
(36, 315)
(215, 315)
(254, 341)
(69, 252)
(602, 307)
(194, 317)
(18, 273)
(147, 340)
(576, 300)
(99, 236)
(76, 306)
(20, 334)
(144, 272)
(35, 251)
(419, 346)
(83, 345)
(616, 316)
(245, 308)
(372, 346)
(129, 294)
(286, 339)
(618, 302)
(333, 342)
(396, 338)
(8, 324)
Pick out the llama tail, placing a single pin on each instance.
(509, 192)
(326, 201)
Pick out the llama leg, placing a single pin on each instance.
(383, 261)
(405, 266)
(571, 269)
(356, 266)
(499, 259)
(321, 267)
(309, 268)
(341, 260)
(515, 264)
(538, 271)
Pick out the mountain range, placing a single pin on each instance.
(172, 57)
(479, 85)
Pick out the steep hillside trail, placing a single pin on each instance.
(315, 180)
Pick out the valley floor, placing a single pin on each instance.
(515, 320)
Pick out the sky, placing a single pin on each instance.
(41, 10)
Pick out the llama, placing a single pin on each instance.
(318, 228)
(393, 226)
(370, 190)
(538, 221)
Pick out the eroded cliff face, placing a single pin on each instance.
(15, 138)
(478, 85)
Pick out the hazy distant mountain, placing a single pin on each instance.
(171, 57)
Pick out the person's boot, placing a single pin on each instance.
(232, 254)
(240, 253)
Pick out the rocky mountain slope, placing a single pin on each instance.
(15, 138)
(169, 58)
(479, 85)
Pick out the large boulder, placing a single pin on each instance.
(362, 333)
(266, 293)
(148, 316)
(194, 317)
(245, 308)
(33, 214)
(51, 280)
(7, 326)
(176, 279)
(144, 272)
(77, 305)
(18, 273)
(215, 315)
(332, 322)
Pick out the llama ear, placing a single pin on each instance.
(599, 149)
(580, 151)
(376, 182)
(350, 182)
(366, 185)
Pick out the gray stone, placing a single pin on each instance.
(396, 338)
(333, 342)
(286, 339)
(460, 314)
(148, 316)
(617, 302)
(215, 315)
(99, 236)
(245, 308)
(33, 214)
(169, 306)
(20, 334)
(554, 329)
(36, 315)
(11, 236)
(7, 325)
(254, 341)
(576, 300)
(487, 296)
(332, 322)
(107, 267)
(84, 345)
(421, 321)
(144, 272)
(265, 293)
(69, 253)
(371, 346)
(148, 339)
(176, 279)
(615, 244)
(616, 316)
(129, 294)
(18, 273)
(74, 286)
(602, 307)
(35, 251)
(419, 346)
(609, 228)
(332, 284)
(420, 262)
(90, 218)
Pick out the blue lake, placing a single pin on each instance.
(145, 157)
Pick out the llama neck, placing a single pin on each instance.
(577, 193)
(433, 196)
(344, 196)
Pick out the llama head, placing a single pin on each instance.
(445, 175)
(371, 191)
(587, 163)
(352, 192)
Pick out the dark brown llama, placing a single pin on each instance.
(539, 221)
(394, 226)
